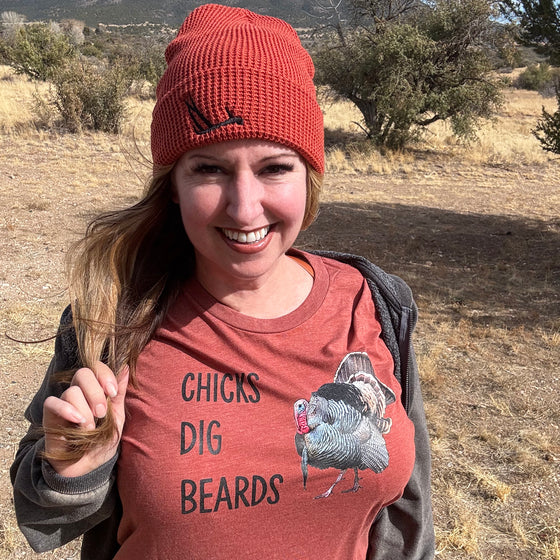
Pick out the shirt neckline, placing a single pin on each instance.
(204, 302)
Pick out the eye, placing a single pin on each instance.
(207, 169)
(278, 169)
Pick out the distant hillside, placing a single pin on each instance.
(169, 12)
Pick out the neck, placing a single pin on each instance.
(282, 292)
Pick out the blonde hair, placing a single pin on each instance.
(314, 186)
(123, 276)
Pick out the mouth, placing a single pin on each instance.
(246, 237)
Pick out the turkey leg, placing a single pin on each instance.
(356, 486)
(328, 492)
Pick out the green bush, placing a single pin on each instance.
(91, 97)
(91, 49)
(536, 77)
(38, 51)
(150, 65)
(547, 130)
(144, 56)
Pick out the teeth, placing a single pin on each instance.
(246, 237)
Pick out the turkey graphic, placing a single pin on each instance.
(342, 424)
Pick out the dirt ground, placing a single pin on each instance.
(480, 248)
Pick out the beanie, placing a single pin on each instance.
(233, 74)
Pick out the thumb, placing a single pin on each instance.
(117, 401)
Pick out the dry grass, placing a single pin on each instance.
(474, 230)
(505, 140)
(16, 102)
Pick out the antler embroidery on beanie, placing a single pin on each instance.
(202, 125)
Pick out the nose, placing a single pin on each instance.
(244, 198)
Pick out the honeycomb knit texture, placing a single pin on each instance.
(233, 74)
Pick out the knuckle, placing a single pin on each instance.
(102, 371)
(73, 394)
(50, 403)
(81, 376)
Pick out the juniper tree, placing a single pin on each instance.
(406, 64)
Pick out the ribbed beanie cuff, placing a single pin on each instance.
(233, 74)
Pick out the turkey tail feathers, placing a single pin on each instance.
(352, 364)
(357, 366)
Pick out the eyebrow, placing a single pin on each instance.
(288, 154)
(218, 158)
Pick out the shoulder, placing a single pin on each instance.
(392, 288)
(337, 269)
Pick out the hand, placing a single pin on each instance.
(79, 406)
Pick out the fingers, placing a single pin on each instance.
(55, 410)
(86, 398)
(81, 405)
(106, 378)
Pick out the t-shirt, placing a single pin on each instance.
(263, 438)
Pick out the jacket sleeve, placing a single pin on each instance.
(405, 530)
(52, 510)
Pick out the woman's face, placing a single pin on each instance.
(242, 203)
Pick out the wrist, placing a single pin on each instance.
(79, 483)
(89, 463)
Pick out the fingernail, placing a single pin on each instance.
(112, 390)
(78, 418)
(100, 410)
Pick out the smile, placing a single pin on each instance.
(246, 237)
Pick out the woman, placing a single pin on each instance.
(215, 392)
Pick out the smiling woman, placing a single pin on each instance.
(243, 203)
(207, 373)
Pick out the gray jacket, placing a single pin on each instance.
(53, 510)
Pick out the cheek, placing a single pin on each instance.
(295, 203)
(197, 211)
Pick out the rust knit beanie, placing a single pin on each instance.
(233, 74)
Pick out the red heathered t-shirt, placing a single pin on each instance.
(231, 410)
